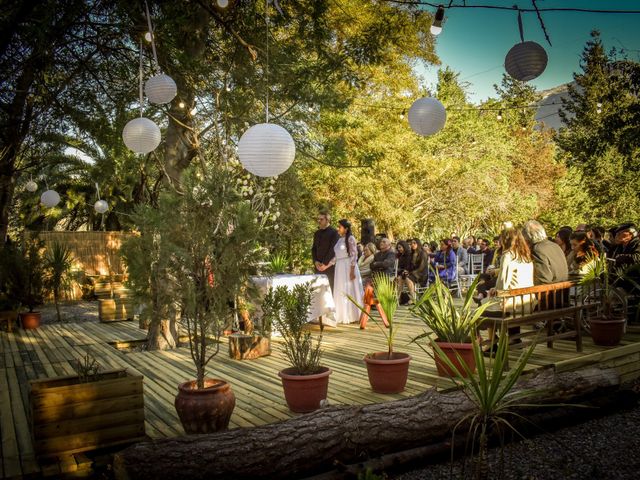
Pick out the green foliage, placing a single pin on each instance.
(491, 391)
(57, 264)
(288, 311)
(194, 253)
(24, 270)
(278, 264)
(437, 310)
(386, 292)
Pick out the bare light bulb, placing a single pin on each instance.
(436, 27)
(148, 37)
(223, 3)
(499, 117)
(181, 105)
(194, 110)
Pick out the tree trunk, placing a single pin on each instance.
(311, 443)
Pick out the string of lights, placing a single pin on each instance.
(511, 8)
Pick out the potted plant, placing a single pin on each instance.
(28, 279)
(57, 264)
(204, 239)
(607, 322)
(278, 264)
(453, 328)
(387, 371)
(306, 382)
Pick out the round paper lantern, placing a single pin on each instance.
(427, 116)
(525, 61)
(266, 150)
(160, 89)
(141, 135)
(31, 186)
(50, 198)
(101, 206)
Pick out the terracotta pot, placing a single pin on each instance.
(387, 375)
(206, 410)
(464, 350)
(30, 320)
(607, 332)
(304, 393)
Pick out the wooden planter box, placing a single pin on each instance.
(70, 417)
(115, 309)
(248, 347)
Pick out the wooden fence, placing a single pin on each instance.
(94, 253)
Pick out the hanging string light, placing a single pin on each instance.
(436, 26)
(141, 134)
(526, 60)
(160, 88)
(266, 149)
(499, 116)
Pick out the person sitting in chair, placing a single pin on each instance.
(444, 263)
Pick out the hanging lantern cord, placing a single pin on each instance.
(140, 92)
(153, 37)
(98, 190)
(266, 20)
(519, 23)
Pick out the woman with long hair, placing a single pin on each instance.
(347, 281)
(445, 262)
(584, 254)
(417, 272)
(365, 261)
(516, 271)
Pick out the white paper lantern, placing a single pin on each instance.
(141, 135)
(50, 198)
(427, 116)
(101, 206)
(160, 89)
(266, 150)
(525, 61)
(31, 186)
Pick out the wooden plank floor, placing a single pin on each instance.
(52, 350)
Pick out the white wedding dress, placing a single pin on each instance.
(343, 286)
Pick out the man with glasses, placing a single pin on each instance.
(324, 239)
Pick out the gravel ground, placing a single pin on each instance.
(603, 448)
(71, 312)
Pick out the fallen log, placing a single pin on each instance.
(348, 434)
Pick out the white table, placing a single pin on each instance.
(321, 298)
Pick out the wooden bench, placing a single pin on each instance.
(554, 303)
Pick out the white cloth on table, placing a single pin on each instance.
(321, 296)
(343, 286)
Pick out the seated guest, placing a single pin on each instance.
(489, 277)
(365, 261)
(584, 254)
(549, 262)
(426, 248)
(488, 253)
(471, 245)
(418, 271)
(562, 239)
(384, 260)
(433, 246)
(444, 263)
(596, 234)
(516, 271)
(461, 253)
(403, 256)
(626, 245)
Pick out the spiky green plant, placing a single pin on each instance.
(599, 275)
(437, 310)
(57, 263)
(491, 391)
(278, 264)
(387, 294)
(288, 310)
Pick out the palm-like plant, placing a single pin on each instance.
(491, 391)
(598, 275)
(278, 264)
(58, 260)
(387, 294)
(449, 323)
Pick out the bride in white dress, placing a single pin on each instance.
(347, 281)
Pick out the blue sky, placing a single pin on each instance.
(474, 41)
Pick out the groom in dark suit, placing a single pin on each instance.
(322, 252)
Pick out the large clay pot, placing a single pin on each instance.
(387, 375)
(304, 393)
(607, 332)
(30, 320)
(463, 350)
(205, 410)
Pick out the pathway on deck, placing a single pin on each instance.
(53, 349)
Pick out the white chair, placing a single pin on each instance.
(476, 264)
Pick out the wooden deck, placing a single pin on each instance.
(52, 350)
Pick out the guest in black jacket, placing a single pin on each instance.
(385, 259)
(324, 240)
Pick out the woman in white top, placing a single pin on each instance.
(347, 281)
(365, 261)
(516, 271)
